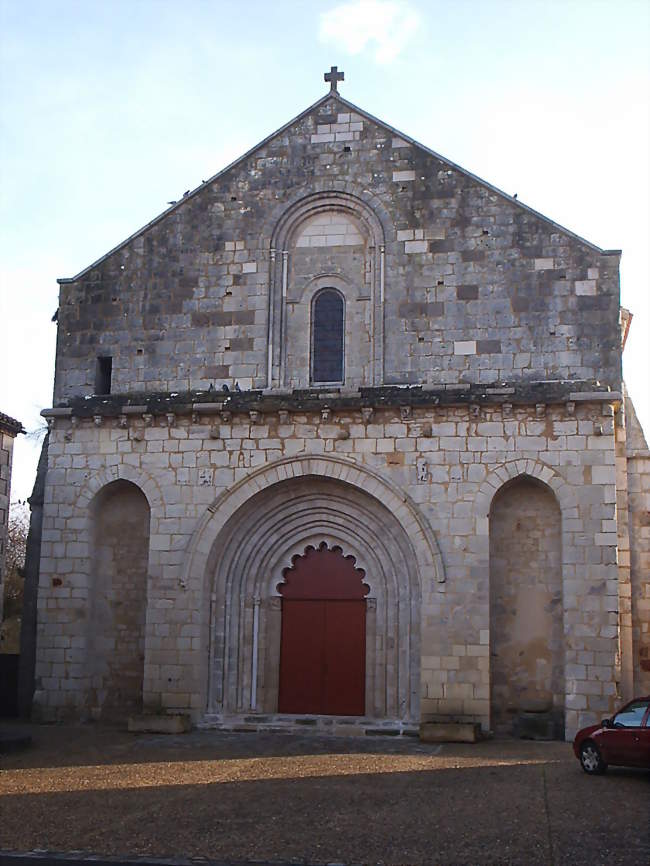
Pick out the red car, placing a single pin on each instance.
(623, 740)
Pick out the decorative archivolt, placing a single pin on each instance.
(399, 504)
(277, 525)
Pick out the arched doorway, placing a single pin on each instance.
(247, 563)
(323, 643)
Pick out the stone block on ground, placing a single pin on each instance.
(449, 732)
(178, 724)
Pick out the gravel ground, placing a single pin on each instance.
(317, 800)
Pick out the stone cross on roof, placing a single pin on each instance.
(334, 76)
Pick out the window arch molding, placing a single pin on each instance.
(283, 234)
(327, 336)
(329, 281)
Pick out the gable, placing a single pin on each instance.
(326, 111)
(446, 279)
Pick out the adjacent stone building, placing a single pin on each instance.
(9, 429)
(340, 439)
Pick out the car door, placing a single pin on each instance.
(623, 741)
(644, 741)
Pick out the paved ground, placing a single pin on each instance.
(238, 797)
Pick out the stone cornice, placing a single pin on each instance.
(201, 403)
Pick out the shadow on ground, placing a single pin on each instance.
(248, 797)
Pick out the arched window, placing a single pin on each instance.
(327, 337)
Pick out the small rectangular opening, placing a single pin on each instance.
(103, 373)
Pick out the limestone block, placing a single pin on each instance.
(449, 732)
(416, 246)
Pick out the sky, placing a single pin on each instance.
(110, 109)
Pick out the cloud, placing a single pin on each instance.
(385, 24)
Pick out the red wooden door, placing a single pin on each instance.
(345, 658)
(323, 644)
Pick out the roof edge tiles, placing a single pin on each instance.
(10, 425)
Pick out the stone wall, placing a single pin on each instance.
(446, 280)
(435, 470)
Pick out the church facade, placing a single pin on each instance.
(340, 439)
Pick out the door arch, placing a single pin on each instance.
(323, 637)
(251, 535)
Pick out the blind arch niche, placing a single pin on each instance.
(330, 240)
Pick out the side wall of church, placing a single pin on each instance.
(476, 288)
(638, 474)
(450, 462)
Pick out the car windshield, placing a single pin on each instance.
(632, 715)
